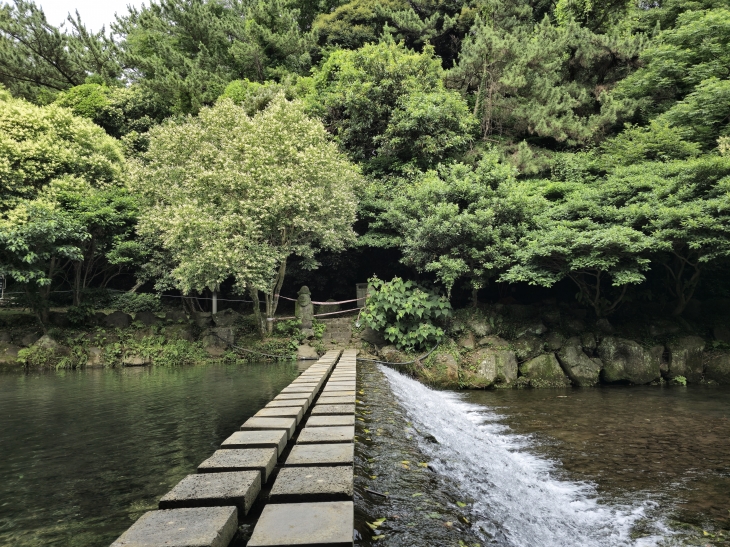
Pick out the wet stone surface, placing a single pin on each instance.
(300, 484)
(257, 439)
(421, 507)
(238, 488)
(321, 454)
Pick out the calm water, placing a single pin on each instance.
(600, 467)
(85, 453)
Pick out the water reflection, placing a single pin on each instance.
(86, 452)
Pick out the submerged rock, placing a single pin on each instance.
(626, 361)
(582, 370)
(496, 366)
(718, 369)
(685, 358)
(544, 371)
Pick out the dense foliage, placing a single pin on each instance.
(204, 142)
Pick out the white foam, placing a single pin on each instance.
(519, 500)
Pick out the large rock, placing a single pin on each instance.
(371, 336)
(520, 311)
(581, 369)
(626, 361)
(544, 371)
(29, 339)
(59, 319)
(147, 318)
(554, 341)
(493, 342)
(467, 341)
(662, 327)
(179, 331)
(528, 347)
(718, 369)
(306, 352)
(118, 320)
(685, 358)
(535, 328)
(5, 337)
(95, 357)
(135, 360)
(479, 326)
(219, 337)
(588, 341)
(203, 319)
(575, 325)
(46, 342)
(551, 316)
(448, 361)
(497, 366)
(226, 318)
(9, 354)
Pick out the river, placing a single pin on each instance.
(85, 453)
(602, 467)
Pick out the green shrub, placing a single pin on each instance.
(405, 313)
(80, 315)
(130, 302)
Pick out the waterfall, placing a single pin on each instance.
(518, 498)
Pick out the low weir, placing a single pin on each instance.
(302, 443)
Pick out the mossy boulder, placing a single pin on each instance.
(496, 366)
(118, 319)
(528, 347)
(447, 362)
(718, 369)
(582, 370)
(626, 361)
(226, 318)
(685, 358)
(9, 355)
(544, 371)
(493, 342)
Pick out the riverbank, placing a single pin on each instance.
(551, 344)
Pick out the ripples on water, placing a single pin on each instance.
(85, 453)
(522, 495)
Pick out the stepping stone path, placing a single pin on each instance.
(311, 498)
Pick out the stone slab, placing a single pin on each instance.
(281, 412)
(333, 409)
(327, 400)
(249, 459)
(276, 438)
(285, 396)
(303, 402)
(298, 389)
(188, 527)
(340, 385)
(307, 383)
(329, 421)
(325, 524)
(321, 455)
(300, 484)
(238, 488)
(321, 435)
(287, 424)
(343, 393)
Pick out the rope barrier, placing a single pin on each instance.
(401, 364)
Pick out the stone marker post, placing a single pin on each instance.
(304, 310)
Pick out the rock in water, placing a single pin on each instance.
(497, 366)
(626, 361)
(685, 358)
(544, 371)
(718, 369)
(581, 369)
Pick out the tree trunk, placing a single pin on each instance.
(78, 266)
(257, 311)
(214, 301)
(474, 292)
(272, 299)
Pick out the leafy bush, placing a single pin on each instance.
(79, 315)
(130, 302)
(405, 313)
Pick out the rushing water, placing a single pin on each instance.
(584, 467)
(85, 453)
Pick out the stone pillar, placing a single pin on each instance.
(304, 309)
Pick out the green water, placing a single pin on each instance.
(85, 453)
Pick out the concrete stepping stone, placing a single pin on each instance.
(189, 527)
(323, 524)
(250, 459)
(299, 484)
(329, 421)
(340, 385)
(299, 389)
(327, 400)
(238, 488)
(303, 402)
(285, 396)
(287, 424)
(276, 438)
(321, 455)
(333, 409)
(281, 412)
(320, 435)
(342, 393)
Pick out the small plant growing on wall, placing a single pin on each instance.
(407, 314)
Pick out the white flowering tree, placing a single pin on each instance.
(232, 195)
